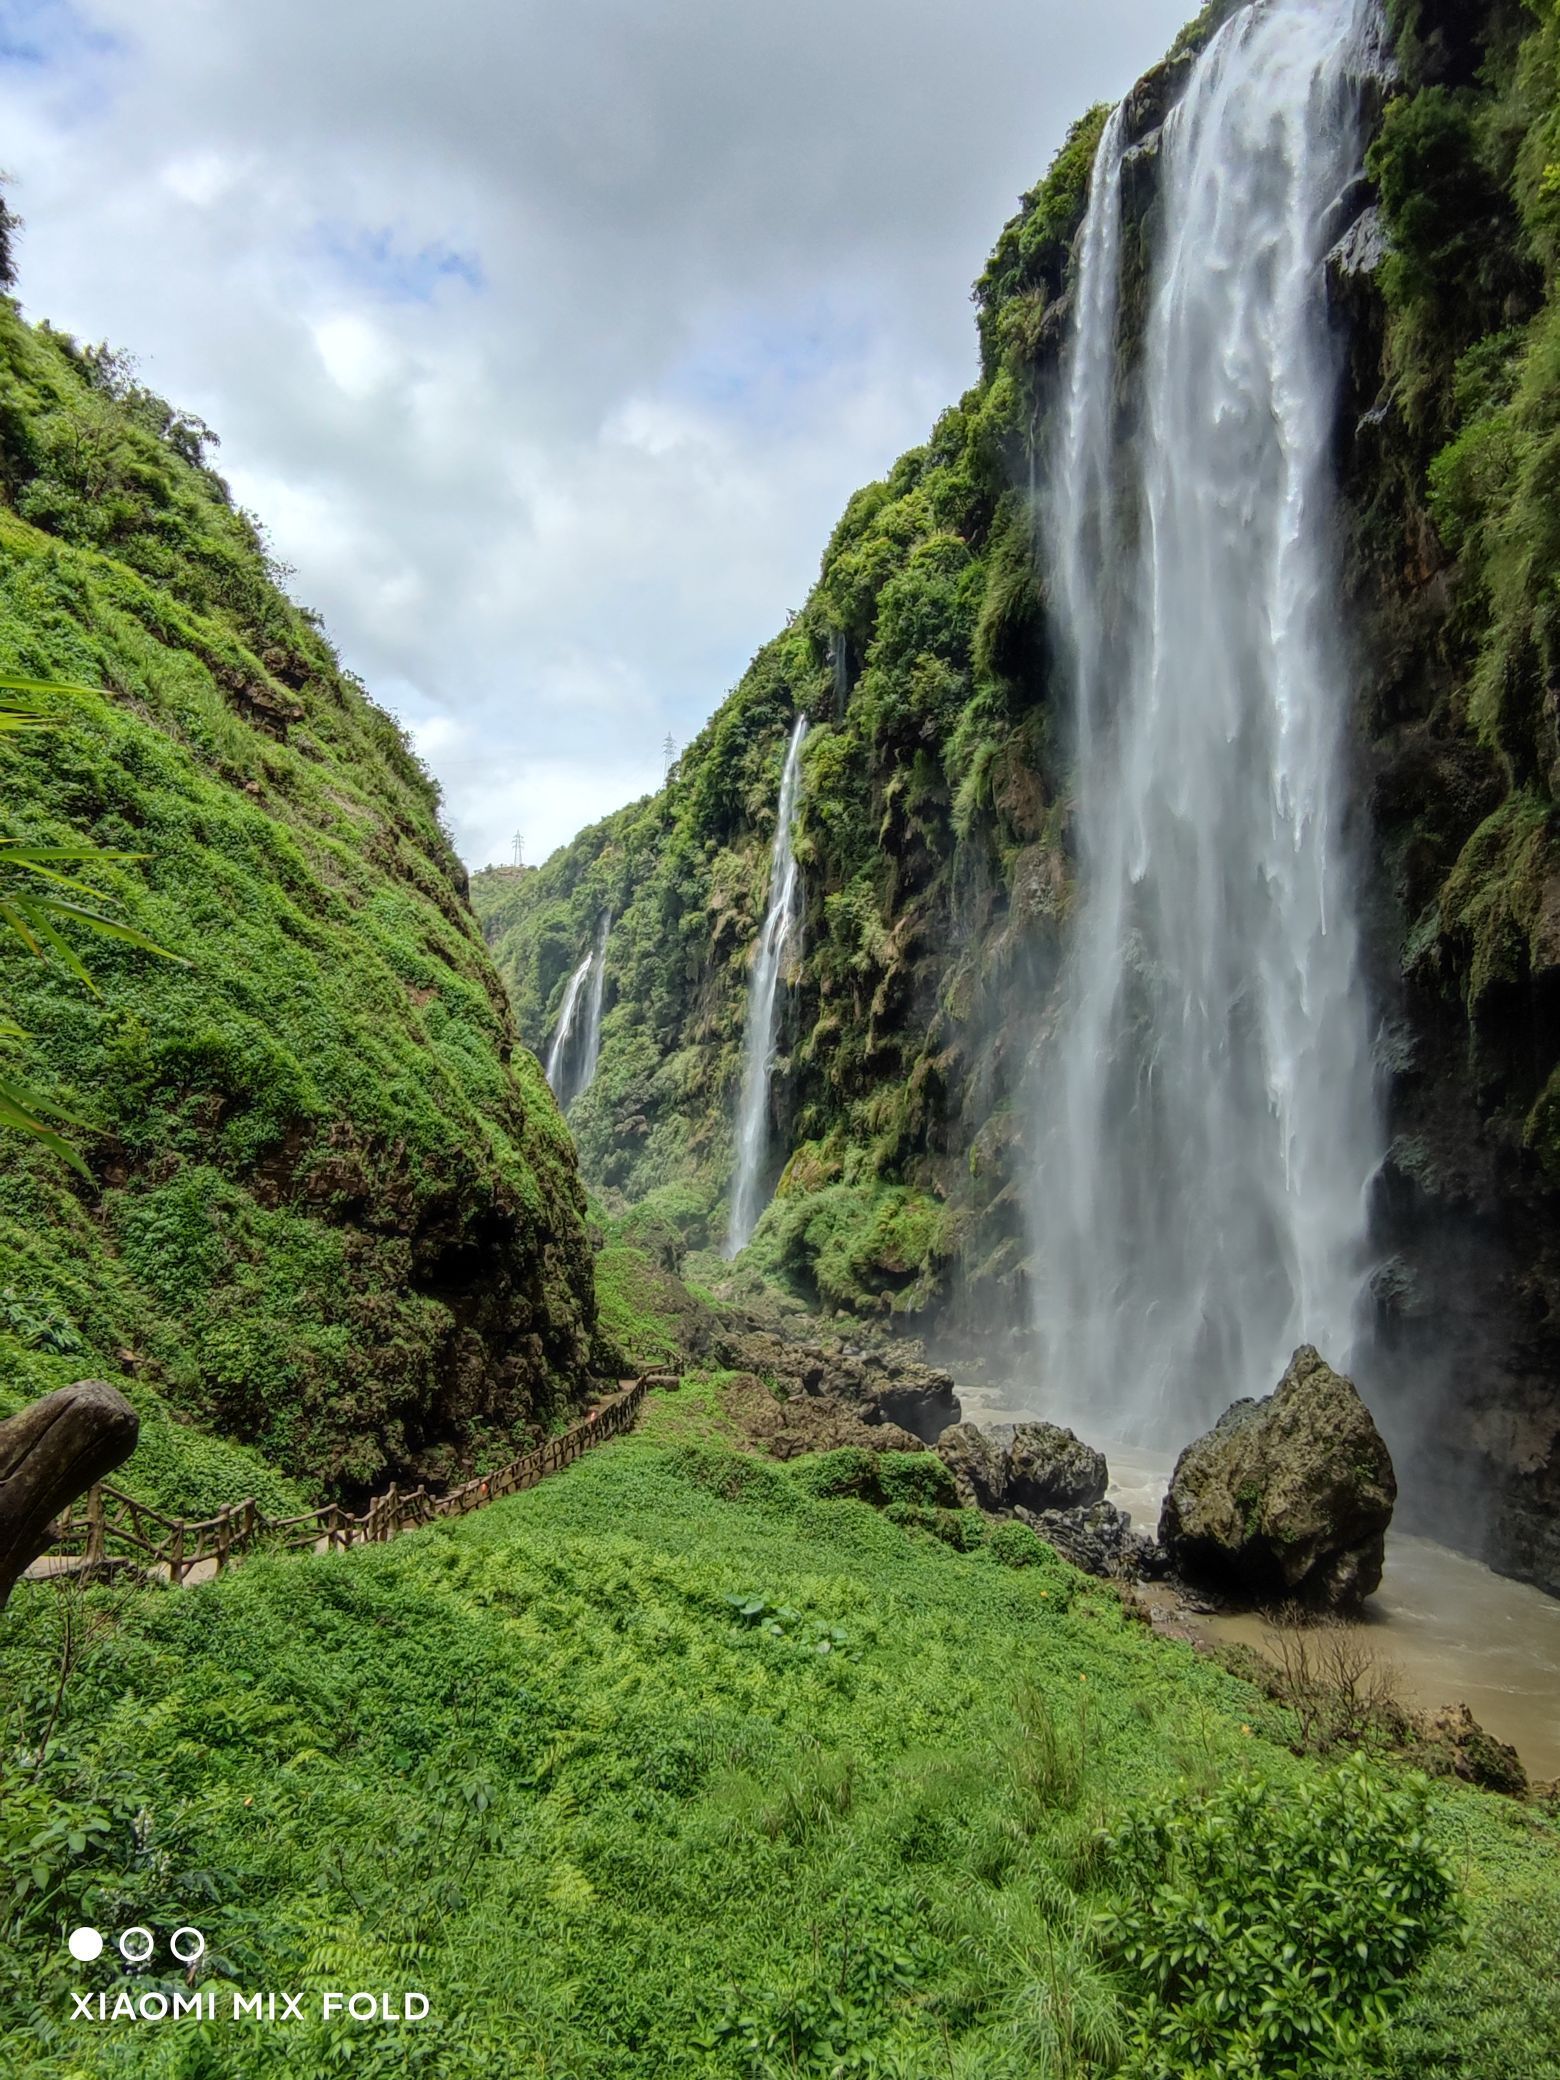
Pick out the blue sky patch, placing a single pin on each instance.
(45, 35)
(380, 262)
(761, 367)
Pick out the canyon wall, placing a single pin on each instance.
(934, 832)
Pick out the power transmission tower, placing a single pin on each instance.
(519, 850)
(669, 751)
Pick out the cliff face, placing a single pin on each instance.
(1449, 453)
(333, 1215)
(934, 831)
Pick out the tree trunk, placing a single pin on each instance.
(51, 1453)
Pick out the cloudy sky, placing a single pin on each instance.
(547, 337)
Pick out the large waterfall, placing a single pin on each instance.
(590, 1051)
(558, 1053)
(774, 941)
(571, 1069)
(1207, 1130)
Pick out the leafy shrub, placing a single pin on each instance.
(1015, 1545)
(918, 1477)
(1266, 1933)
(963, 1529)
(827, 1476)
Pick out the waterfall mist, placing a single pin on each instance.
(774, 942)
(1207, 1128)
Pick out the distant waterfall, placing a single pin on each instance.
(558, 1053)
(591, 1051)
(1207, 1129)
(759, 1045)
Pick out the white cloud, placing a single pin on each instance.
(548, 337)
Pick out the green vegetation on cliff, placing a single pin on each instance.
(1468, 166)
(333, 1228)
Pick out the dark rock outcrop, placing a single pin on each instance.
(1287, 1499)
(789, 1425)
(879, 1382)
(1100, 1540)
(1031, 1466)
(978, 1465)
(1456, 1743)
(1049, 1468)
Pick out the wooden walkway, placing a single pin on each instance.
(106, 1531)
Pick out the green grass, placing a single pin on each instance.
(546, 1767)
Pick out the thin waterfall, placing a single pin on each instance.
(1207, 1130)
(558, 1053)
(590, 1052)
(774, 941)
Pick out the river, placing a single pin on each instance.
(1450, 1630)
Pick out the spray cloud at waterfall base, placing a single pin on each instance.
(1207, 1131)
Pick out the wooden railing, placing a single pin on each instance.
(106, 1526)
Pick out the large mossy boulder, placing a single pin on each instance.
(978, 1465)
(1050, 1468)
(1288, 1499)
(1033, 1466)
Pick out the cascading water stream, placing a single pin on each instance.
(590, 1051)
(1207, 1128)
(558, 1053)
(774, 941)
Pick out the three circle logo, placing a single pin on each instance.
(137, 1945)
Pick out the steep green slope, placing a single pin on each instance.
(577, 1770)
(934, 835)
(333, 1215)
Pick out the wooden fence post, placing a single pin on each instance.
(96, 1527)
(176, 1554)
(224, 1537)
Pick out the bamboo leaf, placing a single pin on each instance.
(61, 945)
(109, 928)
(16, 919)
(20, 1110)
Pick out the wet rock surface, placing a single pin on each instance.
(1046, 1477)
(1034, 1466)
(978, 1465)
(1286, 1499)
(1049, 1468)
(1100, 1539)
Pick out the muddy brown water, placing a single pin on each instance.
(1450, 1630)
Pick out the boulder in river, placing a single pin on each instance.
(978, 1465)
(1287, 1499)
(1051, 1468)
(1034, 1466)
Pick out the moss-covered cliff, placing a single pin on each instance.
(1450, 463)
(934, 828)
(333, 1228)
